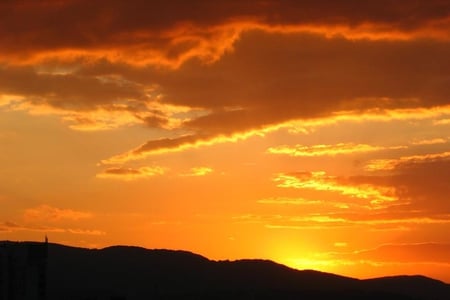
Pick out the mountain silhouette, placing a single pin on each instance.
(123, 272)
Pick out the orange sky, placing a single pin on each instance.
(313, 133)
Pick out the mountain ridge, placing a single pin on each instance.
(132, 273)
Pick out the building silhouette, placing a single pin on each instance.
(23, 270)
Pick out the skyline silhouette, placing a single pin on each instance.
(124, 272)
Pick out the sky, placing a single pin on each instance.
(312, 133)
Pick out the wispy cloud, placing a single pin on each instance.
(86, 231)
(289, 201)
(377, 196)
(340, 244)
(200, 140)
(445, 121)
(326, 150)
(49, 213)
(14, 227)
(198, 171)
(430, 141)
(129, 174)
(390, 164)
(179, 144)
(333, 220)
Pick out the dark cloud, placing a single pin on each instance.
(269, 78)
(130, 173)
(162, 144)
(274, 78)
(30, 25)
(122, 171)
(68, 91)
(114, 50)
(307, 75)
(423, 184)
(410, 195)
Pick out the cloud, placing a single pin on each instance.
(86, 231)
(144, 32)
(13, 227)
(430, 141)
(376, 196)
(87, 102)
(369, 221)
(273, 79)
(442, 122)
(425, 184)
(312, 204)
(206, 73)
(194, 141)
(411, 194)
(128, 174)
(179, 144)
(419, 180)
(340, 244)
(289, 201)
(391, 164)
(416, 182)
(67, 90)
(325, 150)
(48, 213)
(199, 171)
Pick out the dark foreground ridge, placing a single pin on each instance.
(122, 272)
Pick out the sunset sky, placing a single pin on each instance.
(312, 133)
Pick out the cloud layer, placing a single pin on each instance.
(209, 70)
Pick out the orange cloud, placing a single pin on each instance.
(89, 102)
(128, 174)
(390, 164)
(333, 220)
(199, 171)
(420, 182)
(86, 231)
(49, 213)
(371, 115)
(340, 244)
(182, 143)
(186, 142)
(377, 196)
(324, 150)
(442, 122)
(430, 141)
(154, 32)
(313, 204)
(326, 220)
(266, 65)
(289, 201)
(13, 227)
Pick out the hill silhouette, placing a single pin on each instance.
(122, 272)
